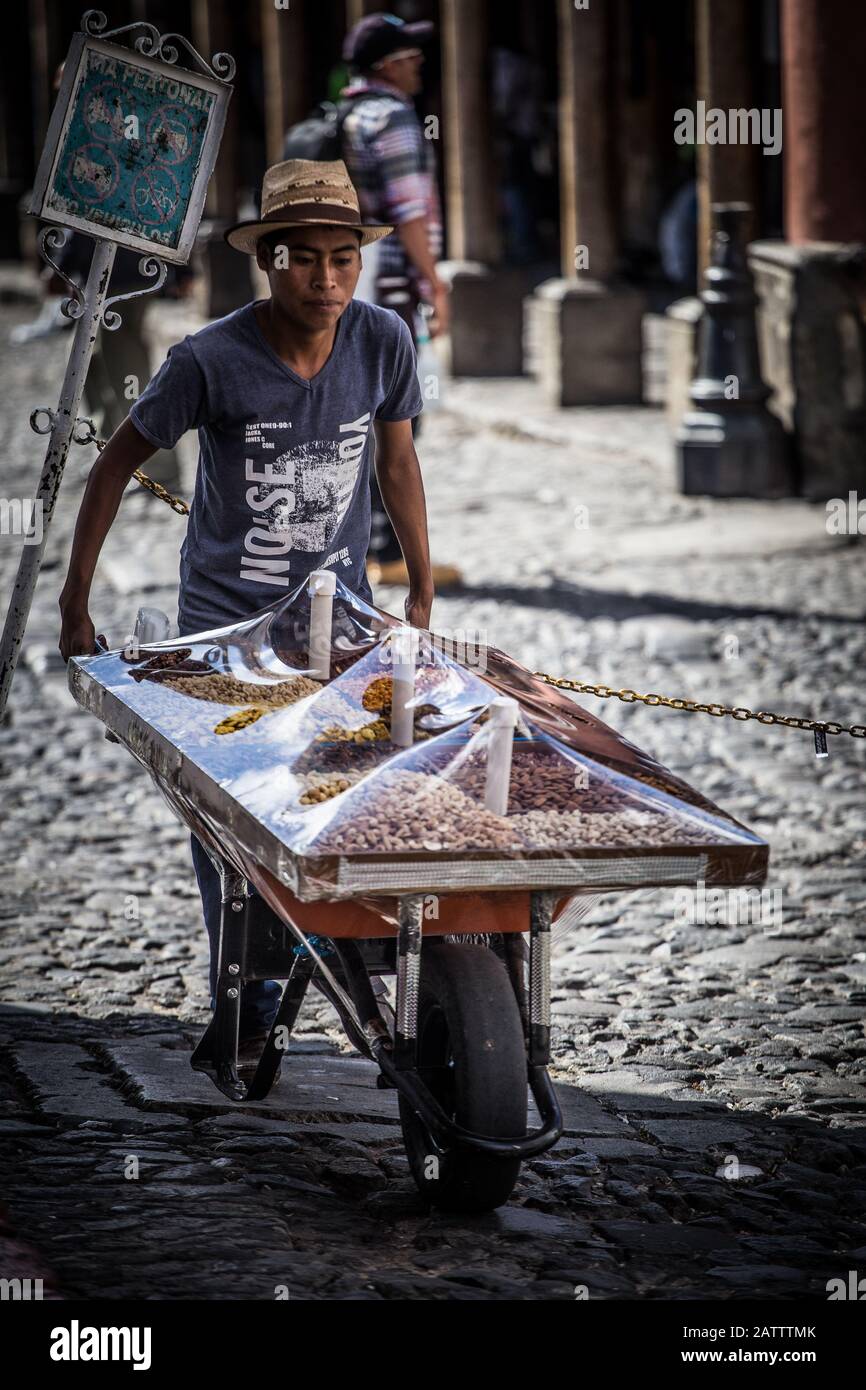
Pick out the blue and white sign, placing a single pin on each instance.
(131, 148)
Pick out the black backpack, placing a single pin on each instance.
(320, 136)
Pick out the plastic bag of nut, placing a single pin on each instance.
(346, 756)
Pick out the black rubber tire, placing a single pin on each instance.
(472, 1056)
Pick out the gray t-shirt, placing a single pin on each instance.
(283, 482)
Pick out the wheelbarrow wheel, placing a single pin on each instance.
(472, 1057)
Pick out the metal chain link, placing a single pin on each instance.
(788, 721)
(177, 504)
(605, 692)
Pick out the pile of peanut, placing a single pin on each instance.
(228, 690)
(629, 828)
(402, 811)
(412, 811)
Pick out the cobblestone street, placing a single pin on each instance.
(713, 1077)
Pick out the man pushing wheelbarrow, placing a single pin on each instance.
(364, 802)
(287, 395)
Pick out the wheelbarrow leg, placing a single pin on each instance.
(540, 914)
(408, 979)
(217, 1051)
(286, 1016)
(541, 907)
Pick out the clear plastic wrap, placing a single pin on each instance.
(334, 755)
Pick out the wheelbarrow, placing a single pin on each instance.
(468, 1031)
(394, 775)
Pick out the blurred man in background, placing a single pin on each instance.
(393, 168)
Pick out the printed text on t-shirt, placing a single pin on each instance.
(299, 498)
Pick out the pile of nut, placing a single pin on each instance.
(363, 687)
(340, 757)
(571, 829)
(167, 666)
(229, 690)
(541, 780)
(405, 811)
(323, 788)
(336, 733)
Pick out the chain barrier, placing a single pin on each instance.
(819, 727)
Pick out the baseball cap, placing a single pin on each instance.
(377, 35)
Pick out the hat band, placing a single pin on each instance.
(313, 212)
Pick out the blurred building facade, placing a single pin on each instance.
(577, 220)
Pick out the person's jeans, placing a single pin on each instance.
(260, 997)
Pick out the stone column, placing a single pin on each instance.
(473, 228)
(584, 329)
(485, 337)
(725, 81)
(227, 272)
(24, 113)
(812, 286)
(825, 120)
(287, 95)
(586, 147)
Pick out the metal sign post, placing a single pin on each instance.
(130, 149)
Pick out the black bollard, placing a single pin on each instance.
(728, 443)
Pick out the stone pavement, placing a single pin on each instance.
(713, 1077)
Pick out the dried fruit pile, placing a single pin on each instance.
(240, 719)
(379, 694)
(341, 756)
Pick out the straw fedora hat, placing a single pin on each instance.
(301, 193)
